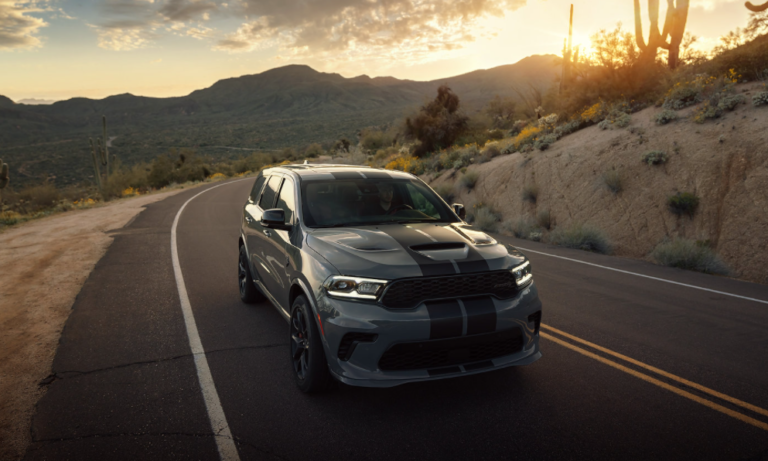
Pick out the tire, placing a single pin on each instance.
(308, 362)
(249, 294)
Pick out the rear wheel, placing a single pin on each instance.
(248, 292)
(307, 355)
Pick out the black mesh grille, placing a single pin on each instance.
(454, 351)
(404, 294)
(346, 347)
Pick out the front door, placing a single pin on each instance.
(275, 252)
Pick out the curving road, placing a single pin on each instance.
(633, 367)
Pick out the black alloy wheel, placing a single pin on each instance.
(307, 355)
(248, 292)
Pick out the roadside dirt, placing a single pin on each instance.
(723, 161)
(44, 264)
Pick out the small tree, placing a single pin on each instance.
(502, 111)
(438, 124)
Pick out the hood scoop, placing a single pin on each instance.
(443, 251)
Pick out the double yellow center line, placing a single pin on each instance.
(548, 331)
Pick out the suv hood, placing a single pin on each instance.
(395, 251)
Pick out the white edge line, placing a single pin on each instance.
(221, 432)
(646, 276)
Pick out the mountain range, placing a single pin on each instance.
(286, 106)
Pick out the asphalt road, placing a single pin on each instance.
(126, 386)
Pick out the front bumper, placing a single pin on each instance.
(393, 327)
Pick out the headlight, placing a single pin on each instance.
(522, 273)
(352, 287)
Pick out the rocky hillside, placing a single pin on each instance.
(723, 162)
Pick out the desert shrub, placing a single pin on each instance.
(544, 142)
(373, 140)
(491, 151)
(445, 191)
(665, 116)
(760, 99)
(614, 119)
(683, 203)
(314, 150)
(530, 193)
(523, 227)
(37, 198)
(594, 113)
(438, 124)
(467, 154)
(448, 158)
(485, 218)
(612, 179)
(688, 93)
(716, 106)
(469, 179)
(526, 137)
(501, 111)
(160, 174)
(547, 123)
(123, 178)
(495, 134)
(582, 237)
(408, 164)
(517, 127)
(690, 255)
(544, 219)
(655, 157)
(568, 128)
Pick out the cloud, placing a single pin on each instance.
(362, 29)
(132, 24)
(19, 30)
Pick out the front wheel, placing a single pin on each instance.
(248, 292)
(307, 355)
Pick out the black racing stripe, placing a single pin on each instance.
(478, 366)
(474, 261)
(346, 175)
(376, 174)
(408, 237)
(445, 319)
(481, 315)
(443, 371)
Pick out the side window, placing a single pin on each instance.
(421, 203)
(256, 191)
(268, 197)
(287, 201)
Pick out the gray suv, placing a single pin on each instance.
(382, 282)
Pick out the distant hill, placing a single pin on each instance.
(287, 106)
(34, 102)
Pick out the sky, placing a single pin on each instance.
(58, 49)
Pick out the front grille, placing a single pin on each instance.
(407, 293)
(455, 351)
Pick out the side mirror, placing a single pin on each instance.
(458, 208)
(274, 218)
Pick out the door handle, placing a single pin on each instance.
(248, 219)
(267, 232)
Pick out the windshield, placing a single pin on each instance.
(360, 202)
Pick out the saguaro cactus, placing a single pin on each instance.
(756, 8)
(100, 155)
(567, 55)
(674, 29)
(4, 177)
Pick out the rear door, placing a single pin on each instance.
(256, 237)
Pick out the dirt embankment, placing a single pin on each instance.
(43, 264)
(724, 162)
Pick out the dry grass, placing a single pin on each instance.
(690, 255)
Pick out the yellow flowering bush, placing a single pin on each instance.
(527, 136)
(129, 192)
(408, 164)
(217, 176)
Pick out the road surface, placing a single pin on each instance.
(633, 367)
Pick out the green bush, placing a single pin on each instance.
(760, 99)
(544, 142)
(485, 219)
(612, 179)
(314, 150)
(655, 157)
(582, 237)
(615, 119)
(685, 203)
(469, 179)
(544, 219)
(665, 116)
(37, 198)
(530, 193)
(445, 191)
(489, 153)
(523, 227)
(690, 255)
